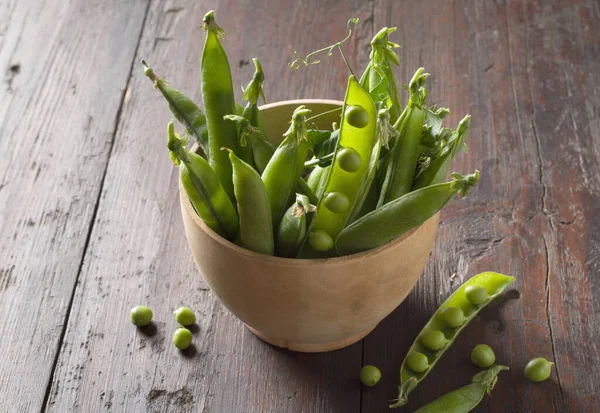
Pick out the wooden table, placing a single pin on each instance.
(90, 221)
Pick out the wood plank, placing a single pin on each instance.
(525, 71)
(138, 252)
(64, 69)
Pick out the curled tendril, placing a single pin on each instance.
(299, 61)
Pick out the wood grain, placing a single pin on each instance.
(138, 252)
(91, 225)
(524, 71)
(64, 67)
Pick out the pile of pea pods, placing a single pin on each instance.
(380, 171)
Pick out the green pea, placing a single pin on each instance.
(182, 338)
(320, 240)
(185, 316)
(417, 362)
(337, 202)
(370, 375)
(357, 116)
(476, 294)
(348, 159)
(434, 340)
(453, 316)
(538, 369)
(483, 356)
(141, 315)
(450, 320)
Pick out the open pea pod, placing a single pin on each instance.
(348, 170)
(451, 318)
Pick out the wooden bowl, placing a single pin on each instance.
(308, 305)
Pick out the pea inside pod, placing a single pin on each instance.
(355, 134)
(410, 377)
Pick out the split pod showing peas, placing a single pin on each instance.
(204, 189)
(443, 328)
(347, 173)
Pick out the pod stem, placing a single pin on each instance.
(176, 145)
(254, 90)
(464, 183)
(210, 24)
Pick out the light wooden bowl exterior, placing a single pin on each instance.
(308, 305)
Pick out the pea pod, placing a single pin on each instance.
(252, 92)
(466, 398)
(285, 167)
(438, 168)
(292, 228)
(403, 164)
(183, 108)
(203, 188)
(384, 132)
(314, 180)
(492, 282)
(217, 94)
(396, 217)
(347, 173)
(379, 68)
(256, 230)
(263, 150)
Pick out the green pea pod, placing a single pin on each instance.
(381, 58)
(347, 173)
(327, 146)
(466, 398)
(263, 150)
(384, 132)
(256, 230)
(285, 167)
(252, 92)
(314, 180)
(316, 136)
(292, 228)
(438, 168)
(203, 188)
(217, 94)
(183, 108)
(303, 188)
(239, 109)
(396, 217)
(403, 164)
(493, 283)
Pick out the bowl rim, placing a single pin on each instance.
(345, 259)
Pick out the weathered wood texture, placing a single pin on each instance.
(64, 67)
(526, 71)
(90, 229)
(138, 252)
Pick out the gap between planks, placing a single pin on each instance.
(94, 214)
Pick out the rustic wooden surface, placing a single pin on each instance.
(90, 222)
